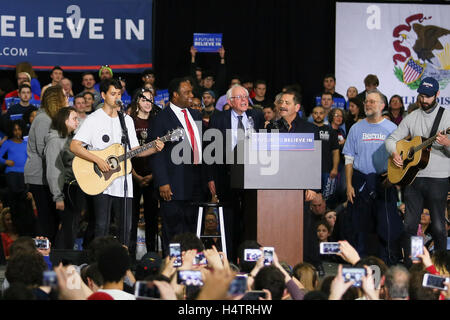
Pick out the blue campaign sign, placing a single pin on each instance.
(207, 42)
(162, 97)
(283, 141)
(77, 35)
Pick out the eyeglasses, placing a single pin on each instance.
(240, 97)
(371, 102)
(146, 99)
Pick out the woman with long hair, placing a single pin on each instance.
(52, 101)
(67, 196)
(143, 111)
(355, 113)
(396, 109)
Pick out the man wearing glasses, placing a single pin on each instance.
(372, 204)
(431, 184)
(233, 124)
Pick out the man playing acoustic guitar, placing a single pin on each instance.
(100, 130)
(431, 184)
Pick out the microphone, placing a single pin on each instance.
(119, 103)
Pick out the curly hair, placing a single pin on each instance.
(52, 100)
(27, 268)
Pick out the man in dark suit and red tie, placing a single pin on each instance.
(177, 175)
(228, 122)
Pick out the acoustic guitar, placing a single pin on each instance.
(415, 155)
(93, 181)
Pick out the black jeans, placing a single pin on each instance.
(151, 213)
(428, 193)
(74, 203)
(103, 206)
(48, 218)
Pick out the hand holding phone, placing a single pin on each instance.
(252, 254)
(435, 282)
(354, 274)
(330, 248)
(238, 286)
(42, 244)
(146, 290)
(190, 278)
(416, 248)
(268, 255)
(175, 251)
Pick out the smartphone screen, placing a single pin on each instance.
(190, 278)
(175, 251)
(254, 295)
(147, 290)
(49, 279)
(200, 259)
(252, 254)
(329, 248)
(354, 274)
(416, 248)
(41, 243)
(268, 255)
(432, 281)
(238, 285)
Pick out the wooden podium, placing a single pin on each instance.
(273, 203)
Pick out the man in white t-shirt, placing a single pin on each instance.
(100, 130)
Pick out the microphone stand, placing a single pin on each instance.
(125, 143)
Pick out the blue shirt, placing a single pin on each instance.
(17, 152)
(365, 143)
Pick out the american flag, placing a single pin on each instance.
(412, 71)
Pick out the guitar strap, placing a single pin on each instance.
(436, 122)
(124, 129)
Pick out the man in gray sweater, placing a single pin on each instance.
(431, 184)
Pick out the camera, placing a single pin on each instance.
(175, 251)
(254, 295)
(238, 285)
(416, 248)
(190, 278)
(330, 248)
(268, 255)
(49, 279)
(355, 274)
(42, 244)
(200, 259)
(252, 254)
(436, 282)
(146, 290)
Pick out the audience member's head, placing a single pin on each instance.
(417, 291)
(97, 245)
(397, 283)
(26, 267)
(150, 264)
(307, 275)
(272, 279)
(188, 241)
(113, 263)
(92, 277)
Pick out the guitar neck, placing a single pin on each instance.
(428, 142)
(132, 153)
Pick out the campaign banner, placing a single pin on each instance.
(77, 35)
(208, 42)
(400, 43)
(162, 97)
(282, 141)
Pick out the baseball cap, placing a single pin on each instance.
(149, 264)
(211, 93)
(428, 86)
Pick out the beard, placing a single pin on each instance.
(426, 106)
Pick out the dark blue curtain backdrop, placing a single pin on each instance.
(280, 41)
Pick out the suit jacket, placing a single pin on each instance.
(183, 178)
(220, 173)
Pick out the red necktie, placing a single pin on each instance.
(192, 135)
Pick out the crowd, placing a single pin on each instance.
(127, 232)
